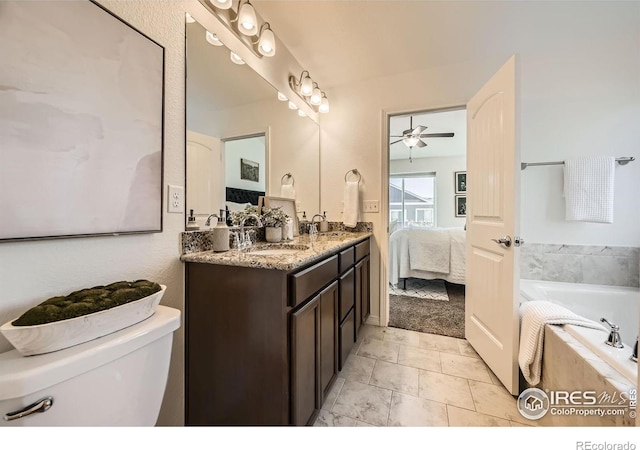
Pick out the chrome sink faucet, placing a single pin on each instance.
(313, 229)
(244, 240)
(208, 222)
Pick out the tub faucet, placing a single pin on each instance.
(634, 356)
(614, 339)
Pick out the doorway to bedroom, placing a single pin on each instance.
(426, 210)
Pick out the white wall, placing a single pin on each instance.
(252, 149)
(443, 167)
(30, 272)
(578, 97)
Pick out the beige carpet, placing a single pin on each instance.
(430, 316)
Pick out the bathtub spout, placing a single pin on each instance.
(614, 339)
(634, 357)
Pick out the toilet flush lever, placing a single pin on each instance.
(40, 406)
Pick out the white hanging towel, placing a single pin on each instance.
(287, 191)
(588, 188)
(351, 204)
(534, 315)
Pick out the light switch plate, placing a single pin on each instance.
(175, 199)
(371, 206)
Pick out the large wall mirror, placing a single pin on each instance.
(240, 137)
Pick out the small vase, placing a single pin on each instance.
(273, 234)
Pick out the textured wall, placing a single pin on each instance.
(33, 271)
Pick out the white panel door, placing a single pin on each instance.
(493, 161)
(205, 174)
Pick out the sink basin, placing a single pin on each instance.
(277, 249)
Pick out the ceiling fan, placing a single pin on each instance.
(412, 137)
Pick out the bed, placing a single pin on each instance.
(427, 253)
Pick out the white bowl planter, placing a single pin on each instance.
(49, 337)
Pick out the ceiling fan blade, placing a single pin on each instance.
(419, 129)
(421, 144)
(437, 135)
(395, 142)
(406, 132)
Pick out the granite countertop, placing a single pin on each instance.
(312, 248)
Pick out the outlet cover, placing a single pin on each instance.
(175, 199)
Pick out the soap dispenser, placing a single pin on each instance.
(191, 222)
(324, 225)
(304, 223)
(220, 234)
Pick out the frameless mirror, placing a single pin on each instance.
(241, 140)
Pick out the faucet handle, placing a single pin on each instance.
(611, 325)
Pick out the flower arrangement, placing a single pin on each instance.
(238, 216)
(274, 217)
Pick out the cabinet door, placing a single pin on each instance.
(358, 295)
(305, 362)
(365, 289)
(328, 338)
(347, 293)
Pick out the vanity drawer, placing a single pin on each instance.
(362, 250)
(347, 258)
(309, 281)
(346, 338)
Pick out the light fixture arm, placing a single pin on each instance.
(296, 83)
(264, 26)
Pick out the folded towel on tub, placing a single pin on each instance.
(534, 315)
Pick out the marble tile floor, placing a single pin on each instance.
(401, 378)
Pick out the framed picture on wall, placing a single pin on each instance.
(461, 205)
(81, 123)
(249, 170)
(460, 179)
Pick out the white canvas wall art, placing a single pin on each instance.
(81, 122)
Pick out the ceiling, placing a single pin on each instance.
(436, 122)
(342, 42)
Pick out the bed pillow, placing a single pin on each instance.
(233, 207)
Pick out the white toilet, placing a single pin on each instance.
(116, 380)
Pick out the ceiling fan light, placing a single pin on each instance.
(213, 39)
(410, 141)
(324, 105)
(221, 4)
(247, 21)
(267, 42)
(236, 59)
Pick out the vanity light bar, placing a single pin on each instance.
(309, 91)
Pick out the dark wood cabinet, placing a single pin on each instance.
(264, 346)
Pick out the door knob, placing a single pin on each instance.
(506, 241)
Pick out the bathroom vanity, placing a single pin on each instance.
(268, 330)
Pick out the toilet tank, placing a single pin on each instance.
(115, 380)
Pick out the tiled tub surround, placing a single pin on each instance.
(569, 365)
(315, 247)
(617, 266)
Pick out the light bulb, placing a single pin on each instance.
(247, 21)
(212, 39)
(316, 96)
(189, 18)
(301, 113)
(292, 105)
(222, 4)
(267, 42)
(324, 105)
(282, 97)
(236, 59)
(306, 87)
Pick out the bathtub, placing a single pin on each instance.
(617, 304)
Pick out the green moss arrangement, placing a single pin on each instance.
(86, 301)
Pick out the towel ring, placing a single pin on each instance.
(287, 176)
(355, 172)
